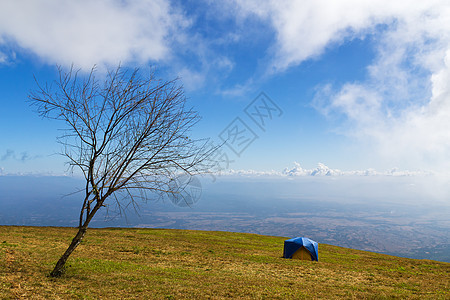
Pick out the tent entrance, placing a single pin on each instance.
(302, 254)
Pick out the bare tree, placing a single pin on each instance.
(127, 133)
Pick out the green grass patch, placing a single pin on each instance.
(118, 263)
(6, 244)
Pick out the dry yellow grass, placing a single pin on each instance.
(176, 264)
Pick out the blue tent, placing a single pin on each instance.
(293, 245)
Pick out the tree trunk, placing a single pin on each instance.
(59, 268)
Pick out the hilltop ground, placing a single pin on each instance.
(173, 264)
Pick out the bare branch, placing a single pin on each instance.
(125, 133)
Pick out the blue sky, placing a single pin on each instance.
(360, 84)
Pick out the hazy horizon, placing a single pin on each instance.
(405, 226)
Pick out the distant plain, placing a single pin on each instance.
(414, 228)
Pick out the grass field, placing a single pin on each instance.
(174, 264)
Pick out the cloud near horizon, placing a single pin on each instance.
(22, 157)
(323, 170)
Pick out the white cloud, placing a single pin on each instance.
(304, 29)
(3, 58)
(323, 170)
(89, 32)
(210, 66)
(324, 183)
(248, 173)
(402, 110)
